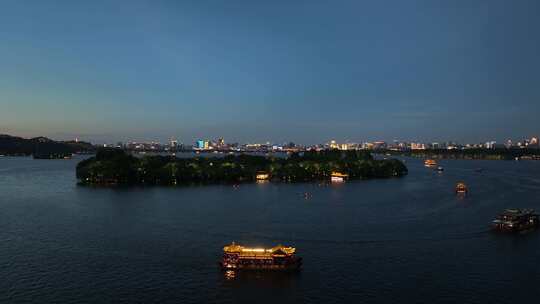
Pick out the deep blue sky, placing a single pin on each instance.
(306, 71)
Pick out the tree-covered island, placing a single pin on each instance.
(116, 167)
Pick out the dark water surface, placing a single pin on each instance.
(408, 240)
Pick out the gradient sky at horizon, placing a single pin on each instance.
(303, 71)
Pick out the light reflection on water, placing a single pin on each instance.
(230, 274)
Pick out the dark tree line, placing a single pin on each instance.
(112, 166)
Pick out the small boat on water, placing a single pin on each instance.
(440, 169)
(461, 188)
(430, 163)
(236, 257)
(516, 220)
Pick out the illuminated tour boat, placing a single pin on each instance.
(515, 220)
(262, 176)
(430, 163)
(338, 177)
(236, 257)
(461, 188)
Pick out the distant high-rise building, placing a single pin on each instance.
(490, 144)
(367, 146)
(418, 146)
(200, 144)
(173, 145)
(379, 145)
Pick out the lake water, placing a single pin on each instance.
(408, 240)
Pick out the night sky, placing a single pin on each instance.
(302, 71)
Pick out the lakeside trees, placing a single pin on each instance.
(488, 154)
(112, 166)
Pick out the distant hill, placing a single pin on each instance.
(80, 146)
(13, 145)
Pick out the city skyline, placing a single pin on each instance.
(194, 140)
(255, 72)
(220, 142)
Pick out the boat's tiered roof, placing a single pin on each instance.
(461, 185)
(242, 251)
(517, 212)
(430, 162)
(339, 174)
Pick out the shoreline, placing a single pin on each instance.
(472, 154)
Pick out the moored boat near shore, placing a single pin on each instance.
(236, 257)
(262, 176)
(515, 220)
(338, 177)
